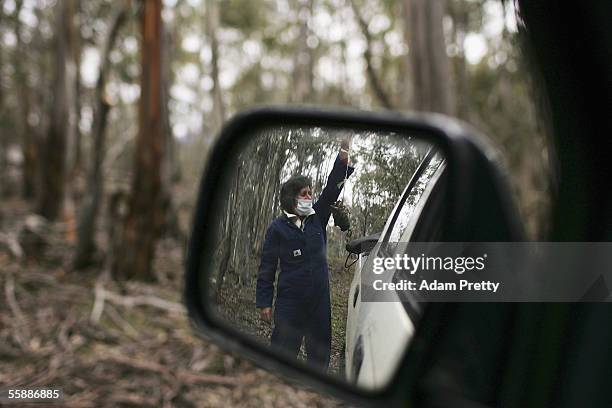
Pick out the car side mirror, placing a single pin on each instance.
(259, 242)
(362, 245)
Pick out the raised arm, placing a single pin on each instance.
(267, 269)
(334, 185)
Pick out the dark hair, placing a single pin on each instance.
(290, 189)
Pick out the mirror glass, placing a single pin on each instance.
(281, 273)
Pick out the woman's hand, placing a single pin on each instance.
(266, 314)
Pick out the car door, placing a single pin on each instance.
(378, 332)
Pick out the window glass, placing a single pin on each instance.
(424, 211)
(410, 203)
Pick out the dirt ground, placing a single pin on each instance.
(108, 344)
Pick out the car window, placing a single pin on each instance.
(429, 227)
(406, 211)
(423, 212)
(431, 176)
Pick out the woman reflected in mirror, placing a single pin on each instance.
(297, 240)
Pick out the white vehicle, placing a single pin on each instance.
(378, 333)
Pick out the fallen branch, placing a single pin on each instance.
(12, 245)
(182, 375)
(20, 335)
(190, 378)
(132, 400)
(138, 364)
(94, 333)
(114, 315)
(153, 301)
(66, 325)
(98, 306)
(40, 278)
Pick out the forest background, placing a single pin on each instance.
(107, 112)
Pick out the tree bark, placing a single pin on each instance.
(73, 106)
(427, 53)
(95, 181)
(3, 141)
(228, 230)
(304, 58)
(53, 186)
(73, 156)
(26, 132)
(212, 23)
(459, 14)
(170, 169)
(144, 218)
(375, 81)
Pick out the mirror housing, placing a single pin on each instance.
(479, 208)
(362, 245)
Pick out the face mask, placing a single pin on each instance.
(304, 207)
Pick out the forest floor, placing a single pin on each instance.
(109, 344)
(236, 303)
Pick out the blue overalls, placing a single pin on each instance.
(302, 306)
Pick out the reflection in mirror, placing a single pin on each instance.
(281, 270)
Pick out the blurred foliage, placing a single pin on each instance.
(262, 49)
(245, 15)
(391, 160)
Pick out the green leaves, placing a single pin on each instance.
(244, 15)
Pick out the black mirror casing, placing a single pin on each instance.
(363, 244)
(479, 208)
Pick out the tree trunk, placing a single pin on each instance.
(144, 218)
(212, 23)
(73, 105)
(304, 59)
(228, 232)
(3, 140)
(170, 168)
(26, 132)
(374, 79)
(54, 158)
(459, 14)
(72, 86)
(95, 181)
(427, 52)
